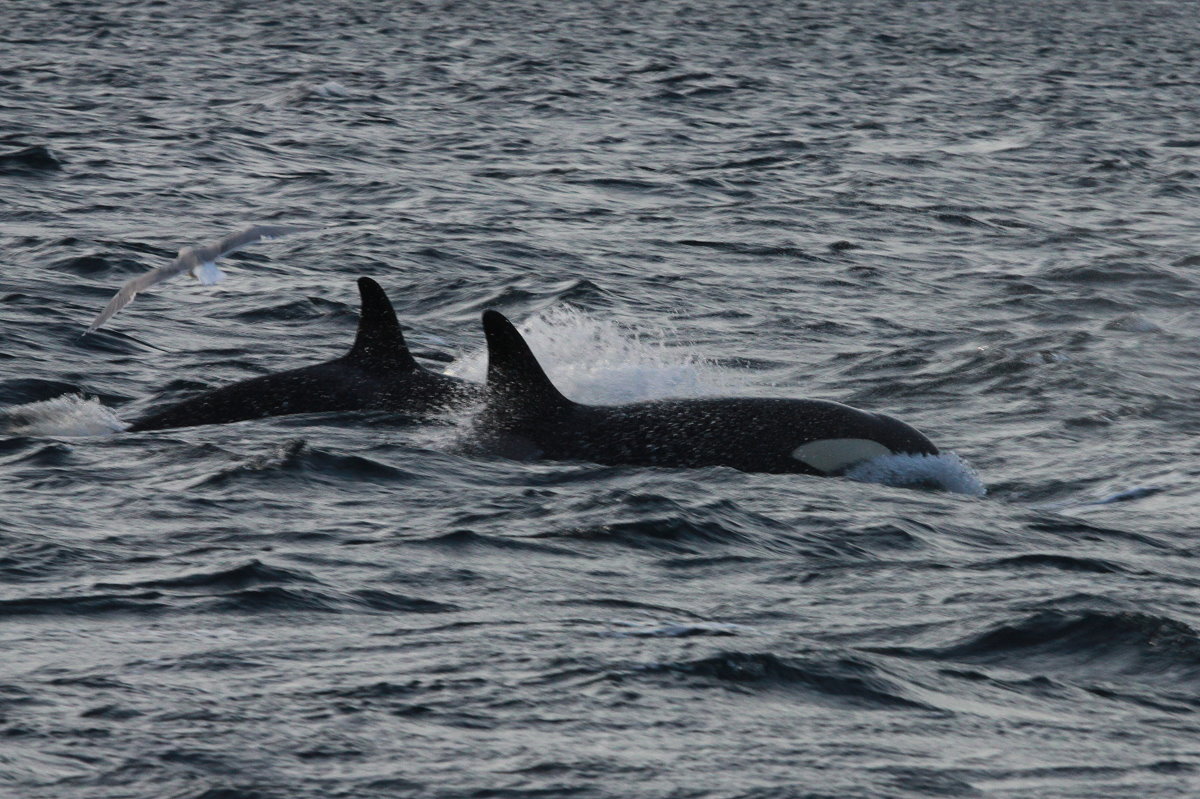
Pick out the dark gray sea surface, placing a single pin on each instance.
(981, 218)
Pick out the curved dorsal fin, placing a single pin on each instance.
(379, 343)
(514, 376)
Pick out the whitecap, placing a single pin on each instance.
(599, 362)
(70, 415)
(945, 472)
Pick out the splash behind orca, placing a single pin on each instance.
(525, 416)
(379, 373)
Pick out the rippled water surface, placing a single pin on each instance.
(978, 217)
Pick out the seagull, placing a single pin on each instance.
(199, 262)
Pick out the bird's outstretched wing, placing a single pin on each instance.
(188, 260)
(184, 262)
(244, 238)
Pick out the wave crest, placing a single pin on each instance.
(597, 361)
(69, 415)
(945, 472)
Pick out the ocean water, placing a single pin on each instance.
(978, 217)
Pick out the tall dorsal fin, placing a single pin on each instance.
(379, 344)
(515, 379)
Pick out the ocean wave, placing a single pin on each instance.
(253, 573)
(1084, 643)
(468, 539)
(34, 159)
(846, 681)
(676, 534)
(945, 472)
(297, 457)
(86, 605)
(622, 628)
(68, 416)
(250, 589)
(37, 560)
(281, 599)
(1053, 561)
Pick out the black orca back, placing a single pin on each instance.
(526, 417)
(378, 373)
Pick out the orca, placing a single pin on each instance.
(379, 373)
(524, 416)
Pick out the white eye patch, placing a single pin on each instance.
(834, 454)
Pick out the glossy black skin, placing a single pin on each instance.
(378, 373)
(526, 417)
(339, 385)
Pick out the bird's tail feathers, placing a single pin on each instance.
(208, 273)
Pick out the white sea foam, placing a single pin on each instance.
(69, 416)
(947, 472)
(596, 361)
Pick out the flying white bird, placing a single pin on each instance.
(199, 262)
